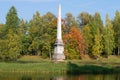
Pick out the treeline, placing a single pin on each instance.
(85, 34)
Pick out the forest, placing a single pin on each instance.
(85, 34)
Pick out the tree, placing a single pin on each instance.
(12, 20)
(12, 43)
(116, 27)
(83, 19)
(24, 37)
(23, 27)
(45, 45)
(88, 39)
(69, 21)
(95, 24)
(97, 47)
(108, 37)
(98, 21)
(42, 31)
(35, 31)
(2, 31)
(74, 44)
(12, 47)
(49, 36)
(94, 28)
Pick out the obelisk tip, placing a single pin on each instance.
(59, 5)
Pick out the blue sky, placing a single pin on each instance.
(26, 8)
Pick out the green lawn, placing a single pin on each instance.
(32, 64)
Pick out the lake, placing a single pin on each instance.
(31, 76)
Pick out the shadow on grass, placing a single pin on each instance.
(75, 69)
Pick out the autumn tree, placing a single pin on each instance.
(74, 44)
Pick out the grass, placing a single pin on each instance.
(42, 67)
(34, 64)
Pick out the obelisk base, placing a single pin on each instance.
(59, 51)
(58, 57)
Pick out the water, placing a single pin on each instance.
(13, 76)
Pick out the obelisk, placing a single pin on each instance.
(59, 45)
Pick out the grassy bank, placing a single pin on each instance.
(38, 65)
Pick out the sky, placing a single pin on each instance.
(26, 8)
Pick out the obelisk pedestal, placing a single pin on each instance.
(59, 45)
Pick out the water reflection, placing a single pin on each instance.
(58, 77)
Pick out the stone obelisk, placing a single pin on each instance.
(59, 45)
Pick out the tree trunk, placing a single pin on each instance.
(50, 53)
(118, 50)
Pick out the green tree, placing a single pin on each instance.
(96, 28)
(97, 32)
(69, 22)
(83, 19)
(49, 36)
(108, 37)
(35, 31)
(42, 31)
(95, 24)
(12, 43)
(91, 27)
(88, 38)
(12, 20)
(97, 47)
(116, 26)
(98, 21)
(23, 27)
(12, 47)
(24, 37)
(2, 31)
